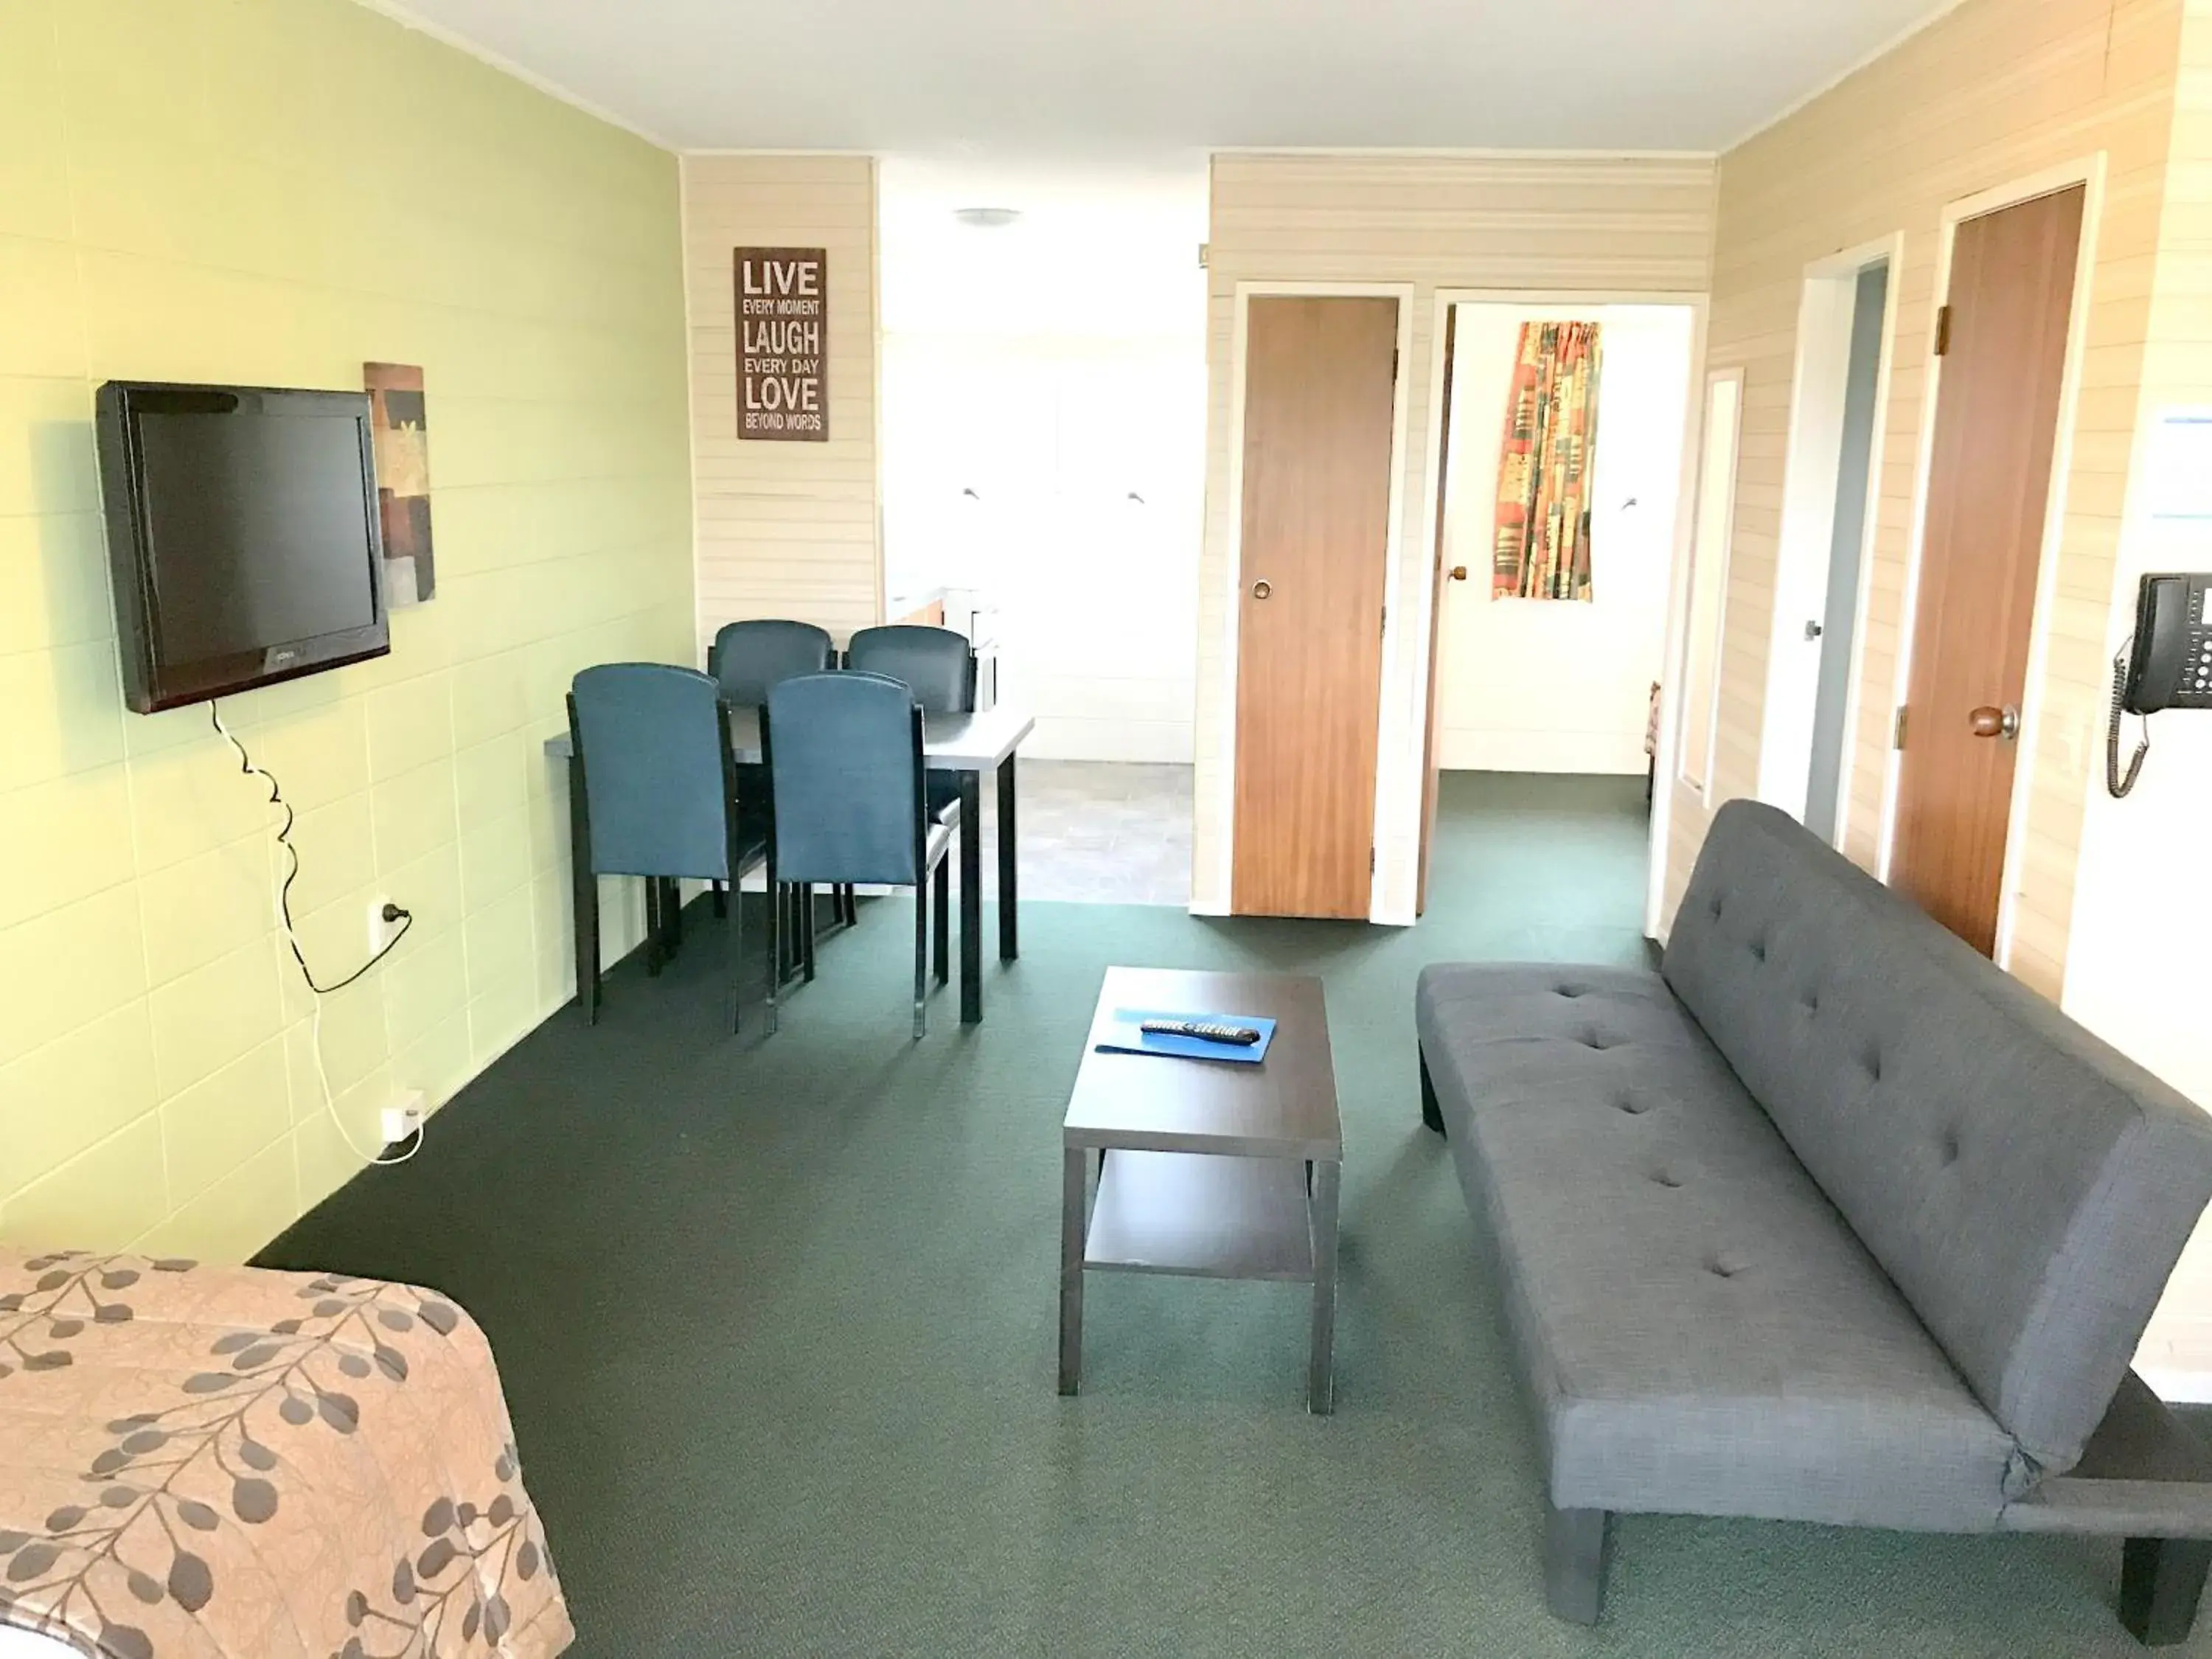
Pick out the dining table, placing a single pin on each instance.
(969, 745)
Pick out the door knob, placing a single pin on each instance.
(1459, 573)
(1814, 630)
(1262, 589)
(1996, 722)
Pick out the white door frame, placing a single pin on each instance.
(1826, 316)
(1674, 665)
(1676, 712)
(1408, 794)
(2089, 173)
(1393, 626)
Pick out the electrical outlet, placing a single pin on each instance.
(403, 1119)
(379, 930)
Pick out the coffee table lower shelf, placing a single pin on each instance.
(1203, 1215)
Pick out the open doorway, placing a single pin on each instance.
(1831, 491)
(1545, 676)
(1043, 351)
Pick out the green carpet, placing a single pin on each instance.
(776, 1320)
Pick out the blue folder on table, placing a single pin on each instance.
(1123, 1037)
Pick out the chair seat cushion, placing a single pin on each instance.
(1701, 1330)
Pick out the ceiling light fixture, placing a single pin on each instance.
(987, 218)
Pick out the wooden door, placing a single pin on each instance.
(1989, 490)
(1319, 377)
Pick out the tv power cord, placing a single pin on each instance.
(391, 913)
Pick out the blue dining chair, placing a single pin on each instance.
(939, 665)
(746, 658)
(844, 751)
(656, 796)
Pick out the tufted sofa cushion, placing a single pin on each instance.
(2027, 1187)
(1699, 1329)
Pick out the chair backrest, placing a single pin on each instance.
(844, 756)
(658, 783)
(2027, 1187)
(749, 657)
(938, 664)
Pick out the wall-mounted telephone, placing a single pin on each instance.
(2168, 663)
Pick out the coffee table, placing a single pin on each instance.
(1204, 1168)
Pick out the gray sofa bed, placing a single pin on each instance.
(1827, 1219)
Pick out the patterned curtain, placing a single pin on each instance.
(1543, 474)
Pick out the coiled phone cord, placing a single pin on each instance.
(2118, 784)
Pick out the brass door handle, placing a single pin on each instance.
(1994, 722)
(1262, 589)
(1459, 573)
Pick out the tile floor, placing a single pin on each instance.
(1098, 832)
(1092, 832)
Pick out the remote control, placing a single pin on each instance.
(1240, 1036)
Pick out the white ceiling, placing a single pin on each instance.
(1100, 253)
(1112, 78)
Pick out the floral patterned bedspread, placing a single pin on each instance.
(225, 1463)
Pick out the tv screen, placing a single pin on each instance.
(243, 528)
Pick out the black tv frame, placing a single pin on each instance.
(150, 682)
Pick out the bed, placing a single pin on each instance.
(225, 1463)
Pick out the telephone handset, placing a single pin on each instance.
(2168, 664)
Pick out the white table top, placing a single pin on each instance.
(950, 743)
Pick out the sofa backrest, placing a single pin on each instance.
(2027, 1187)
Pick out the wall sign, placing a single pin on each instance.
(783, 344)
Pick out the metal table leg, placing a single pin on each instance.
(1009, 912)
(971, 899)
(586, 894)
(1320, 1203)
(1074, 1224)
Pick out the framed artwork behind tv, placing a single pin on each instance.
(401, 427)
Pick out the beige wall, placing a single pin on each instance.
(2135, 972)
(784, 529)
(185, 193)
(2135, 969)
(1525, 223)
(1996, 91)
(2112, 899)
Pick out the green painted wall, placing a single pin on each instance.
(274, 191)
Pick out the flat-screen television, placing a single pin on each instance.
(244, 534)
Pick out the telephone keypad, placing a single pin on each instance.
(2194, 690)
(2195, 686)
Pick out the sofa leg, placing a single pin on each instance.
(1577, 1549)
(2160, 1579)
(1431, 1114)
